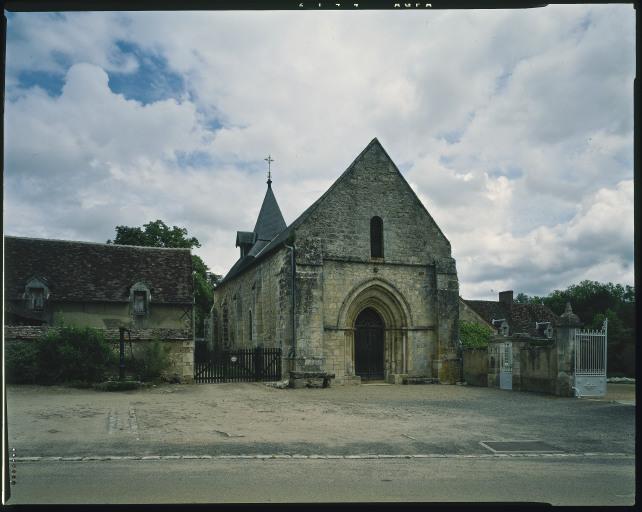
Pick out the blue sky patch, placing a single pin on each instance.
(501, 82)
(193, 159)
(50, 82)
(152, 81)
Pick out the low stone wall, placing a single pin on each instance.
(537, 369)
(180, 342)
(535, 365)
(475, 366)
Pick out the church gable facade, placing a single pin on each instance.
(362, 282)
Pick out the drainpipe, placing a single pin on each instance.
(292, 352)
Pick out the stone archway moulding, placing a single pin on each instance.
(382, 296)
(390, 304)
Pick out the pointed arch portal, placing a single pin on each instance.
(375, 318)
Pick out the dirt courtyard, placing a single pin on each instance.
(255, 418)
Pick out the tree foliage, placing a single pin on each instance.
(589, 299)
(155, 234)
(158, 234)
(474, 335)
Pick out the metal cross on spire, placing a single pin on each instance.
(269, 160)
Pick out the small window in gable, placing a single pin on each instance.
(376, 237)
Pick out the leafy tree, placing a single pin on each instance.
(158, 234)
(155, 234)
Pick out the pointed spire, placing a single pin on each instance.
(270, 221)
(568, 317)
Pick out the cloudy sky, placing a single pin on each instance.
(515, 128)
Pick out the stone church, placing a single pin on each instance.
(362, 283)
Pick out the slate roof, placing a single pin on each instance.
(245, 237)
(521, 318)
(270, 220)
(92, 272)
(259, 251)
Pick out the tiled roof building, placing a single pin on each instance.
(45, 277)
(531, 319)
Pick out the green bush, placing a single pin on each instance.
(73, 354)
(151, 361)
(21, 362)
(474, 335)
(66, 355)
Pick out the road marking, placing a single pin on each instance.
(95, 458)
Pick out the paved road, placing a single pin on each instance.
(559, 481)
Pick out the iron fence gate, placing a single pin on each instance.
(244, 365)
(506, 366)
(590, 361)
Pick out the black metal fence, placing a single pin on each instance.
(244, 365)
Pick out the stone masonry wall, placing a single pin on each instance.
(263, 290)
(413, 283)
(475, 361)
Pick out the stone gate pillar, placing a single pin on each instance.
(565, 346)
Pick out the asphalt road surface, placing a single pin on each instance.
(559, 481)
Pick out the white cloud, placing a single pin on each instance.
(514, 128)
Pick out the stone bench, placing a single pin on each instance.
(310, 379)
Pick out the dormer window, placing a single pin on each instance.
(545, 329)
(36, 294)
(37, 299)
(140, 298)
(140, 303)
(501, 325)
(376, 237)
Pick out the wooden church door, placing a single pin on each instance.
(368, 345)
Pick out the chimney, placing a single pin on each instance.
(506, 298)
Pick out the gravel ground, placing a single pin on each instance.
(255, 418)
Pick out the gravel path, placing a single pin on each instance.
(252, 418)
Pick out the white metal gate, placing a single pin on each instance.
(590, 361)
(506, 366)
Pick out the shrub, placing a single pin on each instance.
(474, 335)
(73, 354)
(152, 361)
(21, 362)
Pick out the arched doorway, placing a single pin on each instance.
(368, 345)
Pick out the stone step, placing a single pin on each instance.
(420, 380)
